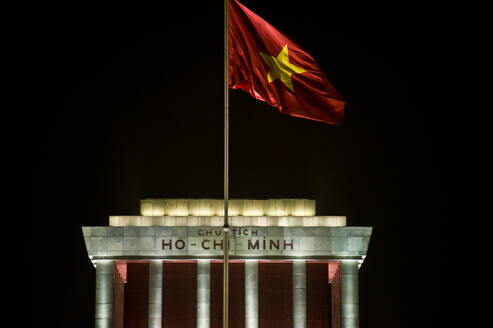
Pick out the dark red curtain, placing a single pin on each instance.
(275, 294)
(120, 276)
(335, 281)
(137, 295)
(179, 294)
(236, 304)
(318, 296)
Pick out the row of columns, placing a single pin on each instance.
(105, 294)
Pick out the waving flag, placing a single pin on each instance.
(275, 69)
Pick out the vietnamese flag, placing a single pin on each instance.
(274, 69)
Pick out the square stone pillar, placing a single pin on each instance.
(104, 294)
(155, 293)
(299, 294)
(203, 293)
(349, 294)
(251, 294)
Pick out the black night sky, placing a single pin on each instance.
(135, 110)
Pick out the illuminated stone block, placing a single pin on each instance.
(217, 207)
(182, 208)
(355, 244)
(146, 207)
(99, 232)
(235, 207)
(248, 207)
(270, 207)
(115, 243)
(257, 207)
(194, 208)
(309, 205)
(158, 207)
(115, 232)
(206, 208)
(169, 207)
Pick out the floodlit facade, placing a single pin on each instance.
(288, 266)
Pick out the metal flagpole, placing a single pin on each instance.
(226, 173)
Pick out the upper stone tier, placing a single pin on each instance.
(236, 207)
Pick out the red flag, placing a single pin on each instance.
(274, 69)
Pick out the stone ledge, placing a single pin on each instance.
(218, 221)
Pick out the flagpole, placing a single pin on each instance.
(226, 173)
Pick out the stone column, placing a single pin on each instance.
(251, 294)
(299, 294)
(104, 294)
(203, 293)
(349, 294)
(155, 293)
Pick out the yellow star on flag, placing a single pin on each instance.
(280, 67)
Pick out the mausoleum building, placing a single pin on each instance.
(288, 266)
